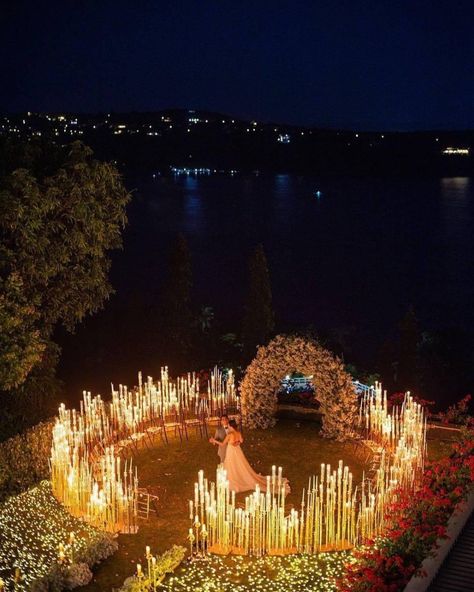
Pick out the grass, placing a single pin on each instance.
(171, 471)
(440, 440)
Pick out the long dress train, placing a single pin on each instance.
(240, 474)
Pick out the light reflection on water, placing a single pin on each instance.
(458, 184)
(192, 207)
(457, 236)
(456, 212)
(455, 200)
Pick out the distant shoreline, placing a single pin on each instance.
(188, 138)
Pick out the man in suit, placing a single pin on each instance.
(220, 435)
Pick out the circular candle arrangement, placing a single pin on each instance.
(90, 478)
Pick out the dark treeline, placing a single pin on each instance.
(175, 327)
(169, 325)
(325, 153)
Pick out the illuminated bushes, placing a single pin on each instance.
(32, 526)
(416, 522)
(157, 570)
(24, 459)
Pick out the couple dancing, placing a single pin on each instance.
(240, 474)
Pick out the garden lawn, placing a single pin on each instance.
(172, 470)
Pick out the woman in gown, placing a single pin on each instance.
(240, 474)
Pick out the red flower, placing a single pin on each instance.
(414, 524)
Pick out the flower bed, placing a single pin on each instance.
(415, 522)
(33, 525)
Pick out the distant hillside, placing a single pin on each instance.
(193, 138)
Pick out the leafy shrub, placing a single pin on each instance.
(458, 413)
(165, 564)
(63, 577)
(24, 459)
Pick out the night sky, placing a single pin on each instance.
(365, 65)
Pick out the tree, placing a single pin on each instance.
(176, 314)
(446, 358)
(21, 344)
(56, 233)
(59, 219)
(259, 321)
(410, 335)
(205, 318)
(230, 350)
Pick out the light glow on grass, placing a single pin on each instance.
(302, 573)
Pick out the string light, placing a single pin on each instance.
(37, 531)
(266, 574)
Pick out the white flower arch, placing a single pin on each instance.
(289, 353)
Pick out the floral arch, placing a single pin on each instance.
(288, 353)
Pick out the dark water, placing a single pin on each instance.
(354, 260)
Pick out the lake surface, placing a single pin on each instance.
(354, 259)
